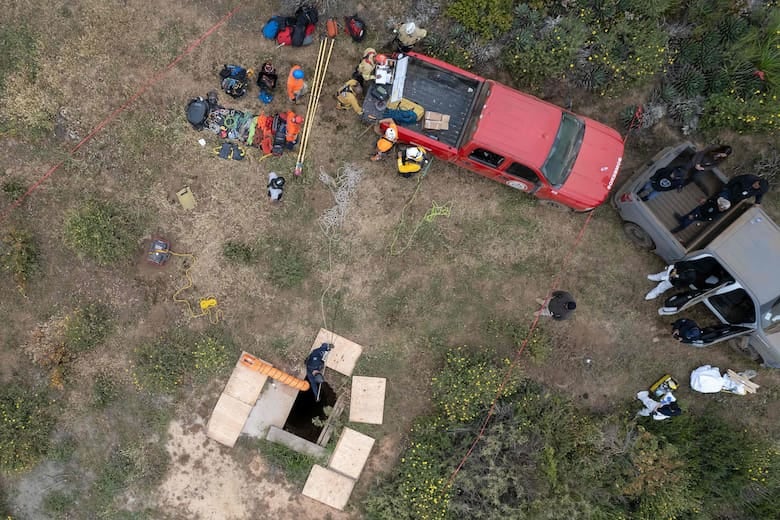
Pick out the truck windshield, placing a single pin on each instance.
(564, 151)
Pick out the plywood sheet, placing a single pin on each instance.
(367, 403)
(351, 453)
(245, 384)
(328, 487)
(344, 355)
(227, 420)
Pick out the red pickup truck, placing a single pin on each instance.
(508, 136)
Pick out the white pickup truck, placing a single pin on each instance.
(744, 244)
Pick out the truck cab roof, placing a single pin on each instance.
(749, 249)
(578, 156)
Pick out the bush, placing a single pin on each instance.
(14, 188)
(105, 390)
(212, 357)
(19, 52)
(295, 466)
(467, 385)
(25, 426)
(287, 262)
(58, 503)
(19, 256)
(754, 115)
(179, 358)
(239, 253)
(87, 327)
(488, 18)
(102, 231)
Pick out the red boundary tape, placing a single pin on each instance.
(113, 115)
(634, 121)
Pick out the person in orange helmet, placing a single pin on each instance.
(296, 87)
(294, 122)
(387, 140)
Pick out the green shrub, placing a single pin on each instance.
(212, 357)
(295, 466)
(102, 231)
(105, 389)
(14, 188)
(467, 385)
(754, 115)
(488, 18)
(19, 52)
(58, 503)
(25, 426)
(239, 253)
(87, 327)
(180, 358)
(147, 463)
(63, 449)
(544, 52)
(20, 257)
(287, 262)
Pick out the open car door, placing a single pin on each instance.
(718, 333)
(680, 302)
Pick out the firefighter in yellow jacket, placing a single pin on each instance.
(347, 97)
(411, 161)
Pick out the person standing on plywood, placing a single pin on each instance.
(315, 366)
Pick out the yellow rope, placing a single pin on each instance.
(207, 305)
(436, 210)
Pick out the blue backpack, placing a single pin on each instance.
(273, 26)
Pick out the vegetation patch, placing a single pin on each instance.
(181, 358)
(20, 257)
(540, 453)
(25, 426)
(103, 232)
(87, 327)
(239, 253)
(287, 261)
(295, 466)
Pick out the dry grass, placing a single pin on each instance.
(491, 258)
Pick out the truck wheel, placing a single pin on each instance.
(744, 347)
(638, 236)
(555, 205)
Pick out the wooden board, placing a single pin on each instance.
(329, 487)
(351, 453)
(344, 355)
(367, 404)
(750, 386)
(227, 420)
(245, 384)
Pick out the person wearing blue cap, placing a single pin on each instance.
(686, 331)
(296, 87)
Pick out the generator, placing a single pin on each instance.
(159, 252)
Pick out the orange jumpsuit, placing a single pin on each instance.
(293, 128)
(294, 85)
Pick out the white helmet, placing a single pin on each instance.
(414, 154)
(390, 134)
(410, 28)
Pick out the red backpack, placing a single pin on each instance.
(355, 27)
(284, 37)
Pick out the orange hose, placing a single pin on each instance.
(252, 363)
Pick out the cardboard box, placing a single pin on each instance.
(436, 121)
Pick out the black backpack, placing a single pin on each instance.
(307, 15)
(355, 27)
(197, 112)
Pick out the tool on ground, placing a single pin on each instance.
(207, 305)
(253, 363)
(323, 59)
(186, 198)
(664, 385)
(158, 253)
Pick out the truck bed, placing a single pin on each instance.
(667, 203)
(439, 90)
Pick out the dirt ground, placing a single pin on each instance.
(489, 260)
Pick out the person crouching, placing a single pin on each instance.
(411, 161)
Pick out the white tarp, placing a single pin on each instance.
(707, 380)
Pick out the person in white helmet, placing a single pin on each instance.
(387, 140)
(275, 187)
(407, 35)
(411, 161)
